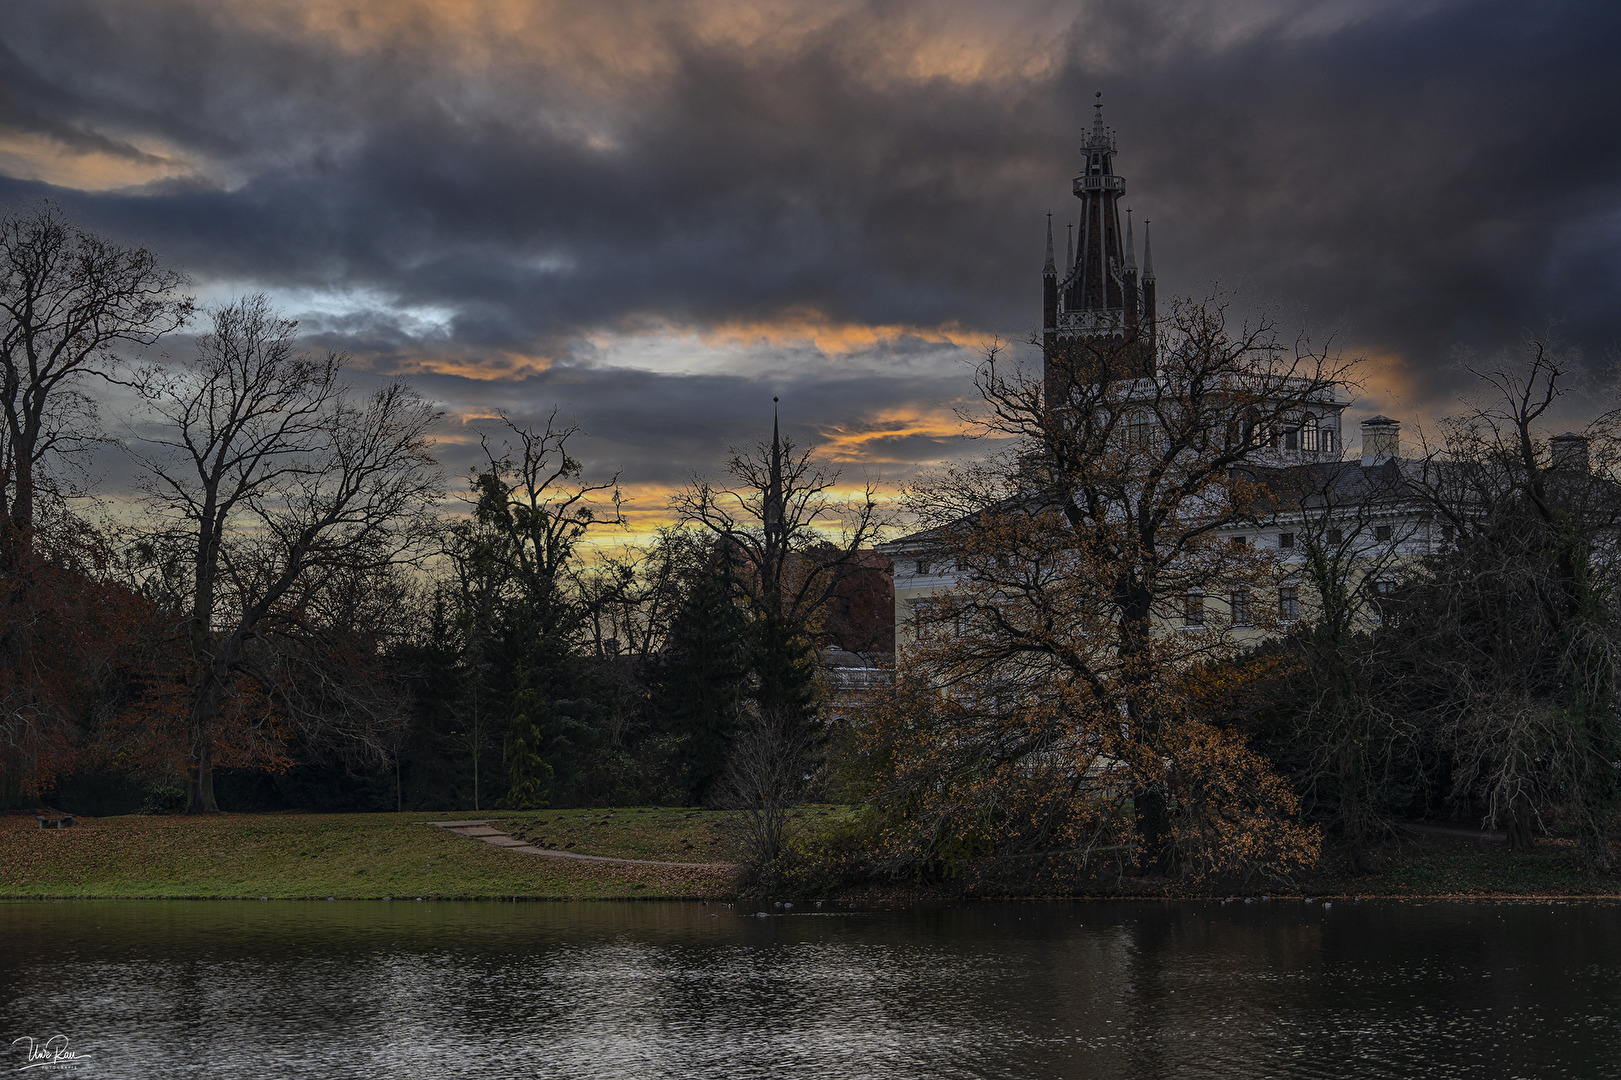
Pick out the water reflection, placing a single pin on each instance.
(682, 990)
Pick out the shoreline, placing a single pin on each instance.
(639, 853)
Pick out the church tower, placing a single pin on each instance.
(1098, 317)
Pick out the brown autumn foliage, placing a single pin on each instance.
(1092, 576)
(81, 662)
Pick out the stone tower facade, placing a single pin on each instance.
(1098, 311)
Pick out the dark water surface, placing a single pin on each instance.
(637, 990)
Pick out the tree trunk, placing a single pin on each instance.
(200, 792)
(1153, 830)
(1520, 836)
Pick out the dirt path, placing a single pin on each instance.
(482, 830)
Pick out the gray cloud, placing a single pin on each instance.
(1414, 176)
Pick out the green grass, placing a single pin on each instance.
(1553, 868)
(368, 856)
(357, 856)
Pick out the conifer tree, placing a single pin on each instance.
(699, 696)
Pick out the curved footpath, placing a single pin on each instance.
(482, 830)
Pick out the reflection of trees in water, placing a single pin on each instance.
(1130, 990)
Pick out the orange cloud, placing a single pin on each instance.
(99, 164)
(498, 366)
(804, 325)
(616, 49)
(867, 439)
(1390, 385)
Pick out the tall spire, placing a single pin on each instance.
(1104, 302)
(774, 523)
(1148, 255)
(1050, 269)
(1069, 250)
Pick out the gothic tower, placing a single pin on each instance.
(1098, 317)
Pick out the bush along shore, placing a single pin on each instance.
(402, 856)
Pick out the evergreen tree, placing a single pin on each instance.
(699, 695)
(783, 664)
(550, 698)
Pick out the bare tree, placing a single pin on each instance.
(532, 509)
(1510, 634)
(1085, 560)
(532, 490)
(794, 542)
(278, 480)
(1353, 745)
(794, 538)
(763, 774)
(630, 596)
(67, 298)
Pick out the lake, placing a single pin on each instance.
(639, 990)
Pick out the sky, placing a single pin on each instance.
(658, 216)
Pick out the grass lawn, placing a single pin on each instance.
(369, 856)
(1441, 867)
(357, 856)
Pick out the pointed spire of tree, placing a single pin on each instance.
(775, 519)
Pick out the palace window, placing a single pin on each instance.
(923, 566)
(1336, 537)
(923, 618)
(1286, 540)
(1381, 532)
(1253, 433)
(1139, 430)
(1291, 439)
(1309, 434)
(1193, 609)
(1289, 603)
(1241, 607)
(1239, 541)
(1379, 590)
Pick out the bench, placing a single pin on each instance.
(54, 821)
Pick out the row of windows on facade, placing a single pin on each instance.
(1240, 607)
(1239, 603)
(1285, 542)
(1310, 436)
(1332, 537)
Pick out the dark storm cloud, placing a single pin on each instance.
(1413, 176)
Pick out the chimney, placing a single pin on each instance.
(1569, 452)
(1381, 440)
